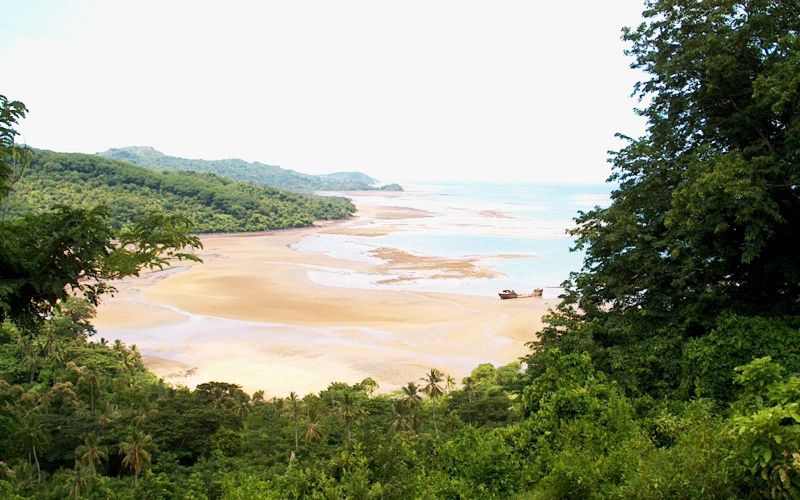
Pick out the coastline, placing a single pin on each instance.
(250, 314)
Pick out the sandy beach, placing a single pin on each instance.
(250, 314)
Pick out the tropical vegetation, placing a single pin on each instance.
(255, 172)
(129, 192)
(670, 370)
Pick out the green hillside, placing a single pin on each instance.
(211, 202)
(240, 170)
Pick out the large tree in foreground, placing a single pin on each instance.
(706, 219)
(47, 257)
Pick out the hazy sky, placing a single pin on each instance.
(506, 90)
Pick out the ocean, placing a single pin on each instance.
(517, 230)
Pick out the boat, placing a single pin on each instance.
(511, 294)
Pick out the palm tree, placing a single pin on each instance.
(118, 346)
(450, 383)
(410, 402)
(32, 434)
(77, 481)
(401, 419)
(411, 399)
(128, 360)
(294, 414)
(90, 377)
(108, 413)
(30, 356)
(141, 416)
(469, 387)
(49, 339)
(348, 412)
(241, 408)
(434, 391)
(58, 352)
(90, 454)
(136, 451)
(315, 429)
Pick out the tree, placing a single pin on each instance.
(48, 257)
(13, 159)
(434, 391)
(241, 408)
(469, 387)
(136, 451)
(31, 360)
(450, 383)
(369, 386)
(401, 418)
(349, 411)
(90, 377)
(315, 428)
(410, 401)
(294, 414)
(32, 435)
(77, 481)
(90, 454)
(706, 218)
(411, 398)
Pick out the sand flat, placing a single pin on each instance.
(249, 314)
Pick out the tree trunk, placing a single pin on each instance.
(38, 469)
(436, 429)
(295, 438)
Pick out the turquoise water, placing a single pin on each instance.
(519, 230)
(557, 201)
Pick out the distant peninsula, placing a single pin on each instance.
(256, 172)
(212, 203)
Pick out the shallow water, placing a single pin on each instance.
(489, 221)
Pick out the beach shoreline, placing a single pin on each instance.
(251, 315)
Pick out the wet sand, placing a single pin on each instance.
(249, 314)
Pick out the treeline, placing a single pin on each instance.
(255, 172)
(210, 202)
(86, 420)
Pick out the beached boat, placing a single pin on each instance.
(511, 294)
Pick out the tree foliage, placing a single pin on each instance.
(255, 172)
(131, 193)
(706, 218)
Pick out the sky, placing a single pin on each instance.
(500, 90)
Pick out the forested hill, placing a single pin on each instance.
(211, 202)
(240, 170)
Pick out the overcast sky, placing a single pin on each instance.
(404, 90)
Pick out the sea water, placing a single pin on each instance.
(519, 230)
